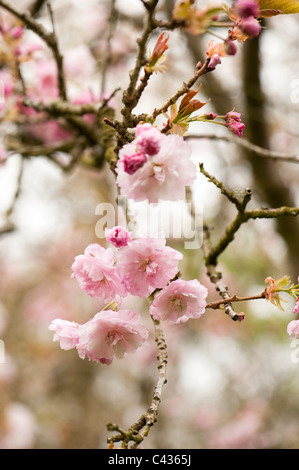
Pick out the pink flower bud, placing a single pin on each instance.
(230, 47)
(210, 116)
(215, 60)
(118, 236)
(236, 127)
(233, 116)
(246, 8)
(250, 26)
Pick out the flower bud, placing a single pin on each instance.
(230, 47)
(215, 60)
(246, 8)
(250, 26)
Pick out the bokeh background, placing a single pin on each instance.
(230, 385)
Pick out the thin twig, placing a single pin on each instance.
(215, 276)
(181, 91)
(139, 430)
(9, 226)
(58, 57)
(235, 298)
(262, 152)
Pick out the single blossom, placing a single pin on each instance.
(66, 332)
(179, 301)
(147, 264)
(97, 274)
(118, 236)
(111, 333)
(293, 329)
(163, 176)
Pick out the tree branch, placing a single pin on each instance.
(262, 152)
(139, 430)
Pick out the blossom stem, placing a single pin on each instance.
(235, 298)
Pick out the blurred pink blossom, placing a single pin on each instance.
(20, 427)
(179, 301)
(293, 329)
(66, 332)
(146, 264)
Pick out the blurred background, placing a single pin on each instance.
(230, 384)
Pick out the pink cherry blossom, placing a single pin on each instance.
(163, 177)
(296, 308)
(118, 236)
(179, 301)
(110, 333)
(97, 274)
(293, 329)
(66, 332)
(148, 139)
(146, 264)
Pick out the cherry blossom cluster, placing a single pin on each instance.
(140, 267)
(155, 166)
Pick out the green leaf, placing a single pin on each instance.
(276, 7)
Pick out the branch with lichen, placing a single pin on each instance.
(240, 198)
(140, 429)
